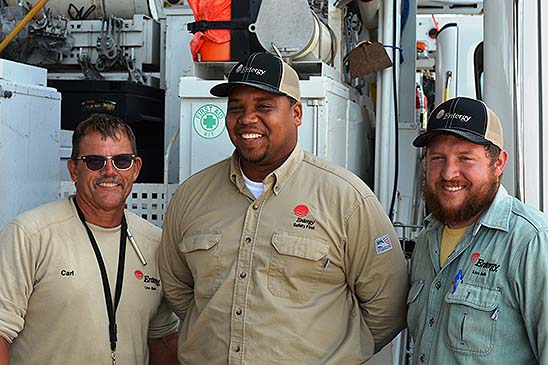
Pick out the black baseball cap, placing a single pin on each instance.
(263, 71)
(464, 117)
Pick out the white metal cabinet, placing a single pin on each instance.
(30, 117)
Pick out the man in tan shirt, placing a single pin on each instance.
(73, 289)
(274, 256)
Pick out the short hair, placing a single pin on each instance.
(493, 152)
(107, 126)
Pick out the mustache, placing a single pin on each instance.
(246, 129)
(455, 181)
(108, 180)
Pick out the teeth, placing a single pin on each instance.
(251, 135)
(108, 185)
(454, 188)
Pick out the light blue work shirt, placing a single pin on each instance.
(496, 311)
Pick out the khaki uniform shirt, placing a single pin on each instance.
(52, 304)
(311, 272)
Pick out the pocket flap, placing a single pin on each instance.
(414, 291)
(202, 241)
(300, 247)
(474, 296)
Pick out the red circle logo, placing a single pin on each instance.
(138, 274)
(301, 211)
(475, 256)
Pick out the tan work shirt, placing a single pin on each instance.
(311, 272)
(52, 304)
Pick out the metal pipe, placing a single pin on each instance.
(379, 117)
(369, 10)
(417, 215)
(315, 125)
(446, 92)
(384, 131)
(35, 9)
(166, 164)
(347, 135)
(517, 32)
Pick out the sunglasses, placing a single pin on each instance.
(122, 162)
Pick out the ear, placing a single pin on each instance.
(71, 166)
(137, 164)
(500, 162)
(297, 109)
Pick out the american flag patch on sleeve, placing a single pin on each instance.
(383, 244)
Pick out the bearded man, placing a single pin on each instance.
(479, 272)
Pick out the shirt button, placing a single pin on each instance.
(438, 285)
(423, 358)
(255, 207)
(243, 274)
(431, 322)
(248, 240)
(238, 311)
(236, 348)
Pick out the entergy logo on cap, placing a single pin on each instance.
(250, 70)
(440, 114)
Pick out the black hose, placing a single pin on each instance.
(396, 119)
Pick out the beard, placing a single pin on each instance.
(252, 157)
(477, 201)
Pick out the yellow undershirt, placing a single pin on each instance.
(449, 239)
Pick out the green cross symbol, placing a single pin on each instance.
(209, 122)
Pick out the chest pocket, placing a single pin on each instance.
(203, 257)
(296, 266)
(473, 315)
(414, 305)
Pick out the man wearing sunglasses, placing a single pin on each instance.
(80, 282)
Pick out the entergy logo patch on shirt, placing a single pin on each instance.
(383, 244)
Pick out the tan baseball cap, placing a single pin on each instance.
(465, 117)
(263, 71)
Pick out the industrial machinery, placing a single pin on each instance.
(335, 126)
(458, 44)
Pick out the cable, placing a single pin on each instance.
(405, 14)
(396, 120)
(104, 10)
(88, 12)
(74, 13)
(436, 25)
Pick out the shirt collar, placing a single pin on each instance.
(497, 215)
(277, 179)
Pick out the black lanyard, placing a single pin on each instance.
(111, 308)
